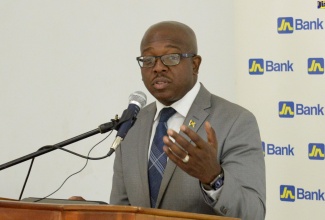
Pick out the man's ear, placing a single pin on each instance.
(196, 63)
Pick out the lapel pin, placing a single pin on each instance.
(191, 123)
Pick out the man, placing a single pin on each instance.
(215, 163)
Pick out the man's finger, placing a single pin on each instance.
(179, 152)
(180, 140)
(197, 140)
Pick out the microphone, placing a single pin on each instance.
(136, 101)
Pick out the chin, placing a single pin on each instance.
(166, 100)
(163, 96)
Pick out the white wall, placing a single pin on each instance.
(68, 66)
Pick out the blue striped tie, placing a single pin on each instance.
(158, 158)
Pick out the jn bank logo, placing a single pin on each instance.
(316, 151)
(286, 109)
(315, 66)
(258, 66)
(286, 25)
(290, 109)
(287, 193)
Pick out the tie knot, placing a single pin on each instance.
(166, 113)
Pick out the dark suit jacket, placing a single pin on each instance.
(239, 151)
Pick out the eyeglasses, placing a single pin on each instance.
(168, 59)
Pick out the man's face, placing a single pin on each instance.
(168, 84)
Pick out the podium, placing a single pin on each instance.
(18, 210)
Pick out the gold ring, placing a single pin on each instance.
(186, 159)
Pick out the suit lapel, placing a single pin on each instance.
(197, 114)
(143, 148)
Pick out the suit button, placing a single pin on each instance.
(224, 210)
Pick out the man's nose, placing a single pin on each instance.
(159, 66)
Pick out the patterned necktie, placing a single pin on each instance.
(158, 158)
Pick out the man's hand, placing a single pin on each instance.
(77, 198)
(202, 163)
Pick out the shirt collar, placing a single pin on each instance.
(183, 105)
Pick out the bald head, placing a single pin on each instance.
(170, 83)
(173, 31)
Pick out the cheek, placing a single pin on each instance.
(185, 76)
(145, 79)
(144, 76)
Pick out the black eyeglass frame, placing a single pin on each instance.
(181, 55)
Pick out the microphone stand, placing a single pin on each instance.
(115, 123)
(103, 128)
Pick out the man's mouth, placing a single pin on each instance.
(160, 83)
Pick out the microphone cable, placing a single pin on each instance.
(76, 154)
